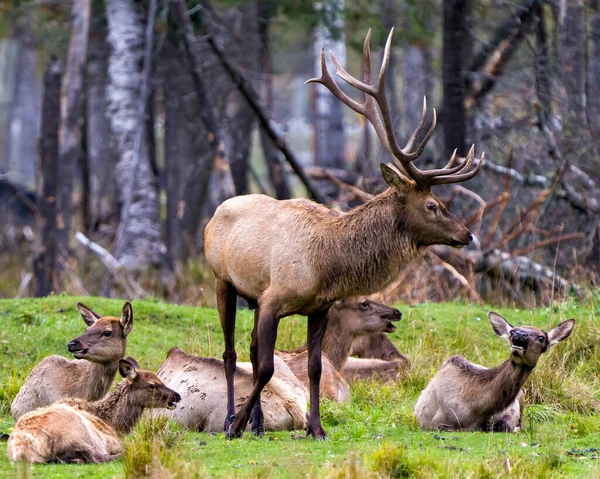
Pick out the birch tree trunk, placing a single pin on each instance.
(138, 242)
(24, 118)
(70, 123)
(328, 111)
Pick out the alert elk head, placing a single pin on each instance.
(423, 214)
(364, 317)
(527, 343)
(106, 337)
(145, 389)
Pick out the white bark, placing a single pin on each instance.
(138, 242)
(329, 111)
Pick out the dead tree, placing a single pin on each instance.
(45, 258)
(70, 124)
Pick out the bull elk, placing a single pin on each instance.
(293, 257)
(469, 397)
(90, 375)
(78, 431)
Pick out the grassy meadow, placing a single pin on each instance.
(375, 435)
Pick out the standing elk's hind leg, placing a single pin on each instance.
(317, 324)
(226, 303)
(256, 418)
(266, 332)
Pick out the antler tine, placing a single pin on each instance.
(367, 58)
(327, 80)
(465, 165)
(447, 179)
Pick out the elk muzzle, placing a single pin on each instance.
(519, 340)
(77, 349)
(172, 403)
(395, 315)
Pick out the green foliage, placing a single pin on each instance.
(561, 428)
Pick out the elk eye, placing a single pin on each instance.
(364, 305)
(541, 339)
(431, 206)
(106, 333)
(152, 386)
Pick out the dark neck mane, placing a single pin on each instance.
(364, 249)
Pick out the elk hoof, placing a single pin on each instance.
(257, 421)
(316, 432)
(228, 426)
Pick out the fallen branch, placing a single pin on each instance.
(546, 242)
(132, 287)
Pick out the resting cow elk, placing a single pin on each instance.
(290, 257)
(78, 431)
(89, 376)
(468, 397)
(347, 320)
(202, 386)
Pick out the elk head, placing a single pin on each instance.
(527, 343)
(105, 340)
(145, 388)
(365, 317)
(421, 211)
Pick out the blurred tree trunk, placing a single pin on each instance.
(24, 117)
(572, 62)
(456, 54)
(138, 242)
(328, 110)
(70, 123)
(9, 61)
(188, 159)
(99, 140)
(593, 78)
(44, 261)
(543, 73)
(243, 120)
(270, 152)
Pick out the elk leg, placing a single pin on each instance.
(256, 418)
(317, 324)
(266, 332)
(226, 304)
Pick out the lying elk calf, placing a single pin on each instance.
(348, 320)
(89, 376)
(201, 383)
(468, 397)
(78, 431)
(287, 257)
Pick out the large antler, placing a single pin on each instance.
(375, 95)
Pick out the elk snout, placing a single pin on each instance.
(519, 341)
(394, 315)
(77, 349)
(175, 398)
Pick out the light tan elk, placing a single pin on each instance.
(347, 320)
(202, 386)
(466, 396)
(289, 257)
(89, 376)
(79, 431)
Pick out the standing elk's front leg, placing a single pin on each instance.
(226, 304)
(256, 418)
(317, 324)
(266, 332)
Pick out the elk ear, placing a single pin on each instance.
(127, 369)
(501, 326)
(127, 318)
(89, 316)
(561, 332)
(393, 179)
(133, 361)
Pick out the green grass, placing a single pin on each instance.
(375, 435)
